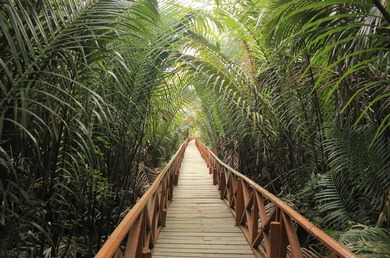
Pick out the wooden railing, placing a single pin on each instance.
(144, 221)
(269, 224)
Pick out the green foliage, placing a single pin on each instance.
(293, 93)
(367, 242)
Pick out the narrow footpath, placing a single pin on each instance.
(199, 223)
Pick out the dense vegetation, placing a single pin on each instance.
(94, 94)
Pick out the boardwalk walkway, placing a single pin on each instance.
(199, 223)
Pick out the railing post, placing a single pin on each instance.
(254, 226)
(231, 187)
(278, 237)
(222, 185)
(292, 237)
(163, 217)
(176, 179)
(163, 205)
(283, 239)
(134, 240)
(215, 176)
(275, 240)
(170, 183)
(239, 199)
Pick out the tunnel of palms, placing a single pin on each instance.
(97, 96)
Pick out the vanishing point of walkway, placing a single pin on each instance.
(199, 223)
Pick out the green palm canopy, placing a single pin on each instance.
(95, 94)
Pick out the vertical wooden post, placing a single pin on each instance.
(214, 176)
(275, 240)
(239, 202)
(283, 238)
(163, 217)
(134, 238)
(163, 204)
(255, 219)
(231, 189)
(176, 178)
(170, 191)
(222, 185)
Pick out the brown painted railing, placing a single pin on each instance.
(266, 221)
(143, 223)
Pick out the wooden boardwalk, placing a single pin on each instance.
(199, 223)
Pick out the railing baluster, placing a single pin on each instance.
(264, 232)
(222, 185)
(239, 201)
(275, 240)
(255, 219)
(171, 181)
(260, 203)
(215, 176)
(148, 227)
(176, 176)
(231, 188)
(154, 218)
(134, 241)
(283, 237)
(163, 211)
(292, 237)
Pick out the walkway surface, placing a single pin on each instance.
(199, 223)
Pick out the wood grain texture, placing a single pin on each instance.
(199, 224)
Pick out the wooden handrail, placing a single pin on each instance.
(270, 224)
(144, 221)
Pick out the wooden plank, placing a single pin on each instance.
(195, 212)
(200, 226)
(188, 211)
(198, 217)
(200, 231)
(195, 201)
(194, 240)
(204, 234)
(226, 249)
(193, 208)
(195, 246)
(202, 239)
(197, 255)
(195, 190)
